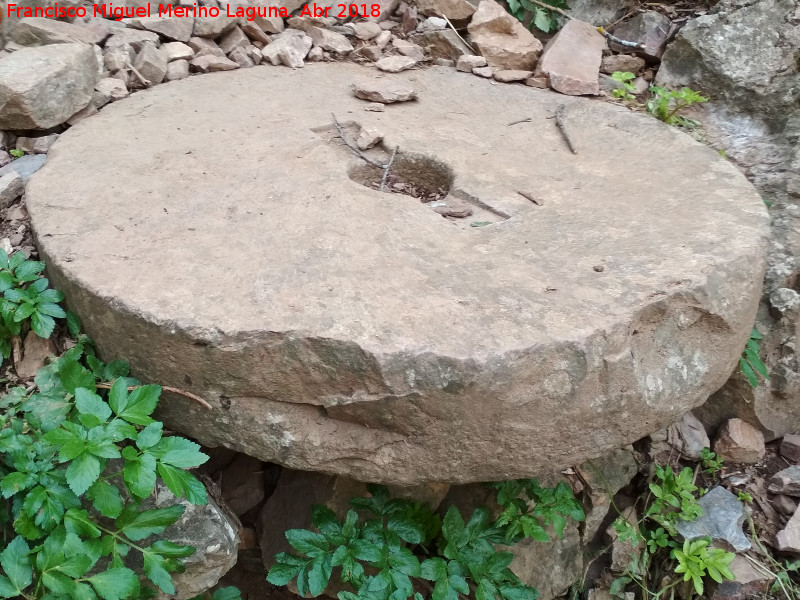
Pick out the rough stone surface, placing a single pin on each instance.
(409, 49)
(243, 484)
(330, 40)
(747, 582)
(455, 10)
(604, 477)
(442, 44)
(178, 69)
(786, 481)
(691, 437)
(132, 37)
(745, 56)
(25, 166)
(177, 51)
(384, 90)
(210, 63)
(648, 28)
(177, 29)
(790, 447)
(722, 519)
(395, 64)
(571, 60)
(739, 442)
(213, 27)
(235, 38)
(40, 31)
(290, 40)
(622, 551)
(111, 88)
(599, 12)
(501, 39)
(330, 377)
(36, 350)
(366, 30)
(788, 539)
(621, 62)
(509, 76)
(42, 87)
(151, 63)
(12, 187)
(468, 62)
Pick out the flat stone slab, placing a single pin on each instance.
(215, 232)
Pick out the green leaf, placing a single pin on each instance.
(155, 572)
(82, 472)
(118, 396)
(150, 435)
(53, 310)
(141, 403)
(16, 564)
(115, 584)
(281, 573)
(151, 522)
(16, 481)
(73, 324)
(169, 549)
(140, 475)
(307, 542)
(406, 530)
(88, 403)
(7, 590)
(74, 376)
(748, 373)
(227, 593)
(42, 325)
(77, 521)
(28, 269)
(182, 483)
(179, 452)
(106, 499)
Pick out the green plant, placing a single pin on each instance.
(658, 557)
(76, 462)
(696, 560)
(665, 104)
(750, 364)
(711, 462)
(627, 90)
(401, 545)
(26, 299)
(16, 153)
(543, 18)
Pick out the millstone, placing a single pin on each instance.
(217, 233)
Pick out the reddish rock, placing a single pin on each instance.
(36, 352)
(739, 442)
(572, 59)
(243, 484)
(747, 582)
(790, 447)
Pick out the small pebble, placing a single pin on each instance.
(599, 268)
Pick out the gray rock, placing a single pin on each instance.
(648, 28)
(553, 382)
(442, 44)
(12, 186)
(254, 32)
(467, 62)
(571, 60)
(409, 49)
(788, 539)
(623, 551)
(784, 301)
(213, 27)
(178, 69)
(786, 481)
(455, 10)
(366, 30)
(330, 40)
(385, 91)
(242, 58)
(790, 447)
(621, 62)
(135, 38)
(395, 64)
(553, 567)
(112, 89)
(293, 41)
(691, 437)
(599, 12)
(36, 145)
(151, 64)
(722, 519)
(510, 75)
(42, 87)
(235, 38)
(203, 46)
(432, 24)
(177, 29)
(118, 57)
(40, 31)
(604, 477)
(177, 51)
(502, 40)
(210, 63)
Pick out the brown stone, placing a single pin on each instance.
(467, 62)
(395, 64)
(409, 49)
(501, 39)
(36, 351)
(455, 10)
(210, 63)
(442, 44)
(747, 582)
(648, 28)
(509, 76)
(739, 442)
(786, 481)
(572, 58)
(790, 447)
(384, 90)
(626, 63)
(243, 484)
(788, 539)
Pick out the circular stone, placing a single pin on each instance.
(217, 233)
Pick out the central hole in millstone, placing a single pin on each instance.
(414, 175)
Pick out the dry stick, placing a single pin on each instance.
(562, 128)
(525, 120)
(553, 8)
(530, 197)
(466, 43)
(621, 42)
(145, 82)
(166, 388)
(387, 167)
(353, 147)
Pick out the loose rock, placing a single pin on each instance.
(112, 88)
(501, 39)
(40, 31)
(786, 481)
(621, 62)
(409, 49)
(12, 186)
(571, 60)
(483, 71)
(648, 28)
(366, 30)
(468, 62)
(692, 436)
(175, 51)
(455, 10)
(177, 29)
(385, 91)
(330, 40)
(210, 63)
(790, 447)
(368, 138)
(235, 38)
(395, 64)
(722, 519)
(442, 44)
(151, 64)
(509, 76)
(788, 539)
(739, 442)
(27, 96)
(176, 70)
(294, 44)
(36, 351)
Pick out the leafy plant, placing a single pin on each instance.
(674, 498)
(711, 462)
(543, 18)
(750, 364)
(665, 104)
(16, 153)
(76, 462)
(696, 560)
(402, 544)
(626, 92)
(26, 299)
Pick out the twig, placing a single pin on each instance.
(621, 42)
(528, 196)
(352, 146)
(562, 127)
(553, 8)
(525, 120)
(466, 43)
(166, 388)
(140, 77)
(387, 167)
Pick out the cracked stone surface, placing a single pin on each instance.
(224, 248)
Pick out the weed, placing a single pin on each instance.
(402, 544)
(711, 463)
(544, 19)
(16, 153)
(750, 364)
(696, 560)
(665, 105)
(625, 92)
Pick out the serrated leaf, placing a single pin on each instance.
(281, 574)
(89, 403)
(74, 376)
(42, 325)
(73, 324)
(151, 522)
(179, 452)
(47, 410)
(16, 481)
(227, 593)
(118, 396)
(106, 499)
(141, 403)
(150, 435)
(140, 475)
(155, 572)
(16, 563)
(7, 589)
(169, 549)
(406, 529)
(27, 269)
(182, 483)
(82, 472)
(115, 584)
(77, 521)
